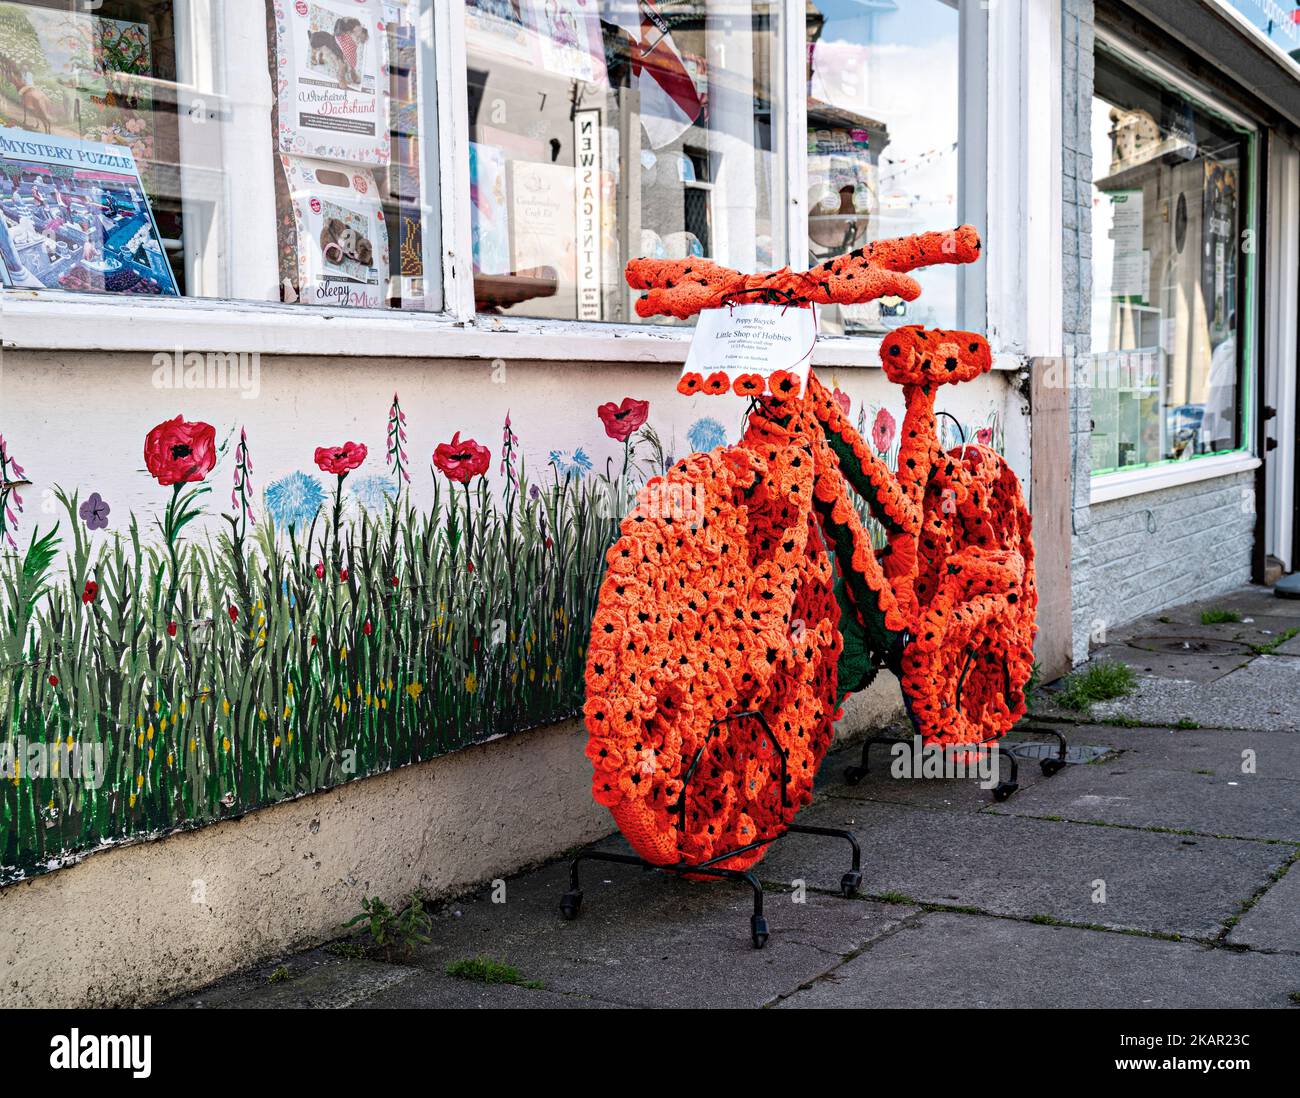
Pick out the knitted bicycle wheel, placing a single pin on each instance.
(966, 670)
(718, 601)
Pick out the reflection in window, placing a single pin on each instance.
(883, 142)
(1168, 209)
(602, 130)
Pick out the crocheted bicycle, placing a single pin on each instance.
(744, 600)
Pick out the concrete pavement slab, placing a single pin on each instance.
(1240, 805)
(315, 979)
(952, 960)
(1012, 865)
(651, 939)
(1264, 694)
(1274, 922)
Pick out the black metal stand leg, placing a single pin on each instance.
(855, 774)
(1006, 787)
(1049, 766)
(571, 901)
(852, 880)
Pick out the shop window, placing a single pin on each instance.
(254, 149)
(895, 108)
(1170, 272)
(602, 130)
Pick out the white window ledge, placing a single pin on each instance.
(63, 322)
(1109, 486)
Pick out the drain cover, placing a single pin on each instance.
(1190, 646)
(1032, 750)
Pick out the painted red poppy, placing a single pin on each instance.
(621, 420)
(171, 629)
(842, 401)
(234, 613)
(340, 460)
(90, 591)
(343, 575)
(367, 629)
(882, 431)
(461, 461)
(54, 680)
(180, 452)
(320, 569)
(984, 436)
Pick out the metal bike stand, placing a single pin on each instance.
(1006, 785)
(571, 901)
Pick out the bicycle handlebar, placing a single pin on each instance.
(683, 287)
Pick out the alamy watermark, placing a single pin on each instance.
(921, 760)
(181, 369)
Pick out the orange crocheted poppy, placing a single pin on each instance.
(690, 383)
(749, 385)
(784, 385)
(717, 383)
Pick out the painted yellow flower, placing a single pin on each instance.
(194, 744)
(415, 689)
(275, 742)
(171, 759)
(139, 740)
(131, 800)
(225, 706)
(182, 707)
(225, 743)
(343, 652)
(139, 780)
(151, 754)
(288, 688)
(261, 715)
(471, 682)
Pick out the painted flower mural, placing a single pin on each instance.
(883, 431)
(624, 419)
(571, 463)
(340, 460)
(392, 634)
(374, 492)
(294, 500)
(461, 461)
(94, 512)
(705, 434)
(179, 452)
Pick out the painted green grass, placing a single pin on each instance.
(234, 676)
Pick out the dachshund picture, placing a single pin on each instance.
(338, 52)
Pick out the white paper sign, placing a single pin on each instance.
(753, 339)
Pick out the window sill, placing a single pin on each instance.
(1111, 486)
(72, 322)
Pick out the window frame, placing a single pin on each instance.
(1170, 473)
(1021, 275)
